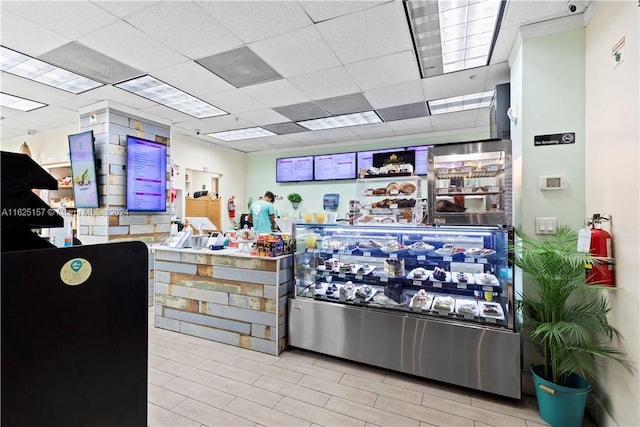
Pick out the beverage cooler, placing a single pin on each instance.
(470, 183)
(435, 302)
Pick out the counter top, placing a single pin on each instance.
(204, 251)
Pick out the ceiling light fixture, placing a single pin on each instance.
(460, 103)
(17, 103)
(454, 35)
(157, 91)
(344, 120)
(237, 134)
(39, 71)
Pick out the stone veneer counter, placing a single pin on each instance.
(226, 296)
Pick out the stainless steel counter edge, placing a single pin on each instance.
(227, 252)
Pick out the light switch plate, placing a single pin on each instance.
(546, 225)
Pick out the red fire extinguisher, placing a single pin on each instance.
(231, 207)
(600, 273)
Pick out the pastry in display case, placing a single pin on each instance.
(389, 200)
(401, 287)
(470, 183)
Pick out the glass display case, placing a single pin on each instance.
(421, 300)
(470, 183)
(389, 200)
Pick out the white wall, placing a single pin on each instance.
(261, 173)
(46, 147)
(192, 153)
(612, 183)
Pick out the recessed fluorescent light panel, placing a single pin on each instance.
(167, 95)
(453, 35)
(39, 71)
(247, 133)
(18, 103)
(460, 103)
(353, 119)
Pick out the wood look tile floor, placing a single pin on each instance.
(196, 382)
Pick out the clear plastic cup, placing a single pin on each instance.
(320, 217)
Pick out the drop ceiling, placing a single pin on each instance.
(277, 62)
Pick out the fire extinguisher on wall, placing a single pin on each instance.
(231, 207)
(601, 273)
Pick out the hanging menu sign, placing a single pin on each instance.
(555, 139)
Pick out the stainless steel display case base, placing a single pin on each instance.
(458, 353)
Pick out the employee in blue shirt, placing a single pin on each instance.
(263, 214)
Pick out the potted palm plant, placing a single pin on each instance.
(568, 328)
(295, 199)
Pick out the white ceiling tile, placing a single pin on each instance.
(233, 101)
(497, 74)
(145, 54)
(338, 135)
(166, 113)
(415, 125)
(326, 83)
(276, 93)
(185, 28)
(297, 52)
(76, 102)
(374, 130)
(398, 94)
(458, 126)
(307, 138)
(122, 8)
(120, 96)
(26, 37)
(323, 10)
(257, 20)
(384, 71)
(25, 88)
(457, 117)
(372, 32)
(222, 123)
(455, 84)
(55, 116)
(263, 117)
(72, 19)
(192, 78)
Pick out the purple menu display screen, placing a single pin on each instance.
(293, 169)
(146, 175)
(334, 166)
(421, 158)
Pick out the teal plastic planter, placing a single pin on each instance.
(561, 406)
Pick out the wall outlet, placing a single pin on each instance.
(546, 225)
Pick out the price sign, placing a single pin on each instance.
(441, 171)
(443, 190)
(443, 312)
(417, 308)
(394, 206)
(466, 169)
(490, 320)
(462, 286)
(483, 260)
(343, 298)
(417, 283)
(342, 252)
(366, 253)
(437, 284)
(493, 168)
(393, 256)
(447, 258)
(487, 288)
(466, 190)
(470, 260)
(494, 189)
(384, 279)
(313, 272)
(469, 316)
(342, 275)
(358, 276)
(421, 257)
(326, 273)
(358, 300)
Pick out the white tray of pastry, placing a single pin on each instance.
(447, 278)
(421, 300)
(466, 307)
(491, 310)
(470, 279)
(363, 269)
(419, 274)
(443, 304)
(486, 279)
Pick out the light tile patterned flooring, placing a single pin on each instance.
(195, 382)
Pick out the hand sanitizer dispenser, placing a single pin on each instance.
(330, 202)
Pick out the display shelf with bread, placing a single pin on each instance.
(378, 274)
(389, 200)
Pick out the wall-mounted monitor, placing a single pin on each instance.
(83, 170)
(146, 175)
(334, 166)
(365, 158)
(294, 169)
(422, 152)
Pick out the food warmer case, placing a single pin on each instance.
(470, 183)
(435, 302)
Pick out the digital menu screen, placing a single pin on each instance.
(293, 169)
(334, 166)
(422, 152)
(365, 158)
(83, 170)
(146, 175)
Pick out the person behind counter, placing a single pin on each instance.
(263, 214)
